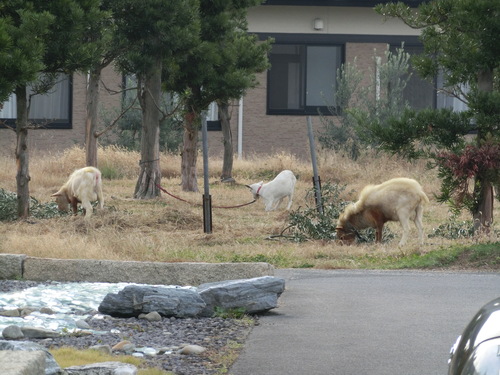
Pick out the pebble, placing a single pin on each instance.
(82, 324)
(14, 313)
(192, 349)
(152, 316)
(12, 333)
(123, 346)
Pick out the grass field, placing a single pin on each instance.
(170, 230)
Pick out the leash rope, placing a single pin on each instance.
(198, 204)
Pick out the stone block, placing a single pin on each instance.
(152, 273)
(255, 295)
(11, 266)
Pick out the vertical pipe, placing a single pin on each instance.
(317, 187)
(378, 63)
(207, 199)
(240, 129)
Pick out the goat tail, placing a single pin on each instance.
(424, 198)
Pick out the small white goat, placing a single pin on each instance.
(83, 186)
(399, 199)
(274, 191)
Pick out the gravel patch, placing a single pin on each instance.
(169, 335)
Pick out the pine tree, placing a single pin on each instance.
(460, 39)
(38, 40)
(219, 68)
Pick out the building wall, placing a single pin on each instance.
(270, 134)
(336, 20)
(261, 133)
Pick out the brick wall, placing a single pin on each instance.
(271, 134)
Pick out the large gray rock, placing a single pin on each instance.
(16, 362)
(134, 300)
(255, 295)
(51, 366)
(103, 368)
(38, 333)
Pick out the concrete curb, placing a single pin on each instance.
(13, 266)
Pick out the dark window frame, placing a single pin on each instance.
(326, 40)
(58, 124)
(305, 110)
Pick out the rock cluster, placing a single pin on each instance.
(151, 316)
(253, 296)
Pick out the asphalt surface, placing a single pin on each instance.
(365, 322)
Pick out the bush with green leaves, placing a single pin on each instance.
(8, 207)
(308, 223)
(346, 129)
(454, 229)
(339, 131)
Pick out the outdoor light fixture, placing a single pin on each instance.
(318, 24)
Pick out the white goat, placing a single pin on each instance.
(83, 186)
(274, 191)
(399, 199)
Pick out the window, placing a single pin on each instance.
(422, 93)
(302, 78)
(419, 93)
(445, 100)
(51, 110)
(213, 122)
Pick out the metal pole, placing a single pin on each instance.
(207, 199)
(317, 186)
(240, 129)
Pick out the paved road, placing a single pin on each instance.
(365, 322)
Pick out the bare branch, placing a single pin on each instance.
(113, 124)
(115, 92)
(459, 96)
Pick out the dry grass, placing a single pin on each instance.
(170, 230)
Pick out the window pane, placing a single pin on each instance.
(445, 100)
(52, 106)
(419, 93)
(286, 77)
(322, 64)
(302, 78)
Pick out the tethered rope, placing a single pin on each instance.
(198, 204)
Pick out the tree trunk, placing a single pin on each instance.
(150, 174)
(225, 118)
(92, 101)
(22, 156)
(190, 153)
(483, 217)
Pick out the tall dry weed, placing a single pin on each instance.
(168, 229)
